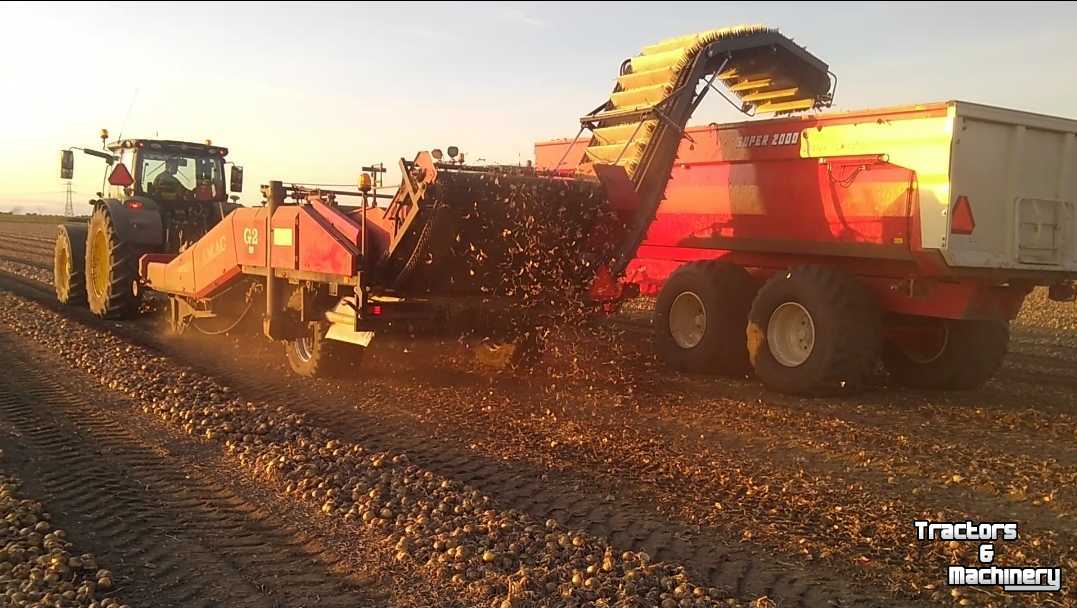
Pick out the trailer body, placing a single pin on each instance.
(946, 209)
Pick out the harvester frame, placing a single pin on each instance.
(326, 276)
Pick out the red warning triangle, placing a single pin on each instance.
(120, 176)
(961, 221)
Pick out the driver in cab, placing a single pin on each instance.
(167, 185)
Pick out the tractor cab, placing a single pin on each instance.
(160, 197)
(169, 172)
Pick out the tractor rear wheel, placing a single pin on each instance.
(315, 356)
(814, 330)
(111, 270)
(945, 353)
(68, 264)
(700, 316)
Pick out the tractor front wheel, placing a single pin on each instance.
(68, 264)
(111, 269)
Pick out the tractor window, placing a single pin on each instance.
(172, 177)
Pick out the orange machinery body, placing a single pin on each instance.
(313, 238)
(757, 194)
(750, 187)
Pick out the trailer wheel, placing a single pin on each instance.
(315, 356)
(945, 353)
(111, 269)
(813, 331)
(68, 264)
(700, 316)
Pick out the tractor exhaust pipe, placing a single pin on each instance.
(271, 322)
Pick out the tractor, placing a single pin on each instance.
(161, 196)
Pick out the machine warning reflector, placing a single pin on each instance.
(961, 220)
(282, 237)
(120, 176)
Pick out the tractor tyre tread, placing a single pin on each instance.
(71, 244)
(119, 300)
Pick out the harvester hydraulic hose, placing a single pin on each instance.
(218, 332)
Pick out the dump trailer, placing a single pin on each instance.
(806, 247)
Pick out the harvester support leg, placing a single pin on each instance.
(272, 321)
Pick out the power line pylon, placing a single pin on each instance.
(69, 207)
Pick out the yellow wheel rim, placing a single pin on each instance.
(60, 265)
(99, 264)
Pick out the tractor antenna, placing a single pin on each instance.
(130, 106)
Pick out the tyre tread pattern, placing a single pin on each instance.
(119, 302)
(974, 352)
(723, 351)
(329, 358)
(856, 334)
(71, 242)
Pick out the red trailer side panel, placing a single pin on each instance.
(758, 187)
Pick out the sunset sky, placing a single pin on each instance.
(310, 92)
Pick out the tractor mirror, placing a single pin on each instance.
(67, 164)
(235, 179)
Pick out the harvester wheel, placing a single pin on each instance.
(814, 330)
(700, 316)
(315, 356)
(111, 269)
(947, 354)
(68, 264)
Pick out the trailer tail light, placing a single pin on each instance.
(961, 220)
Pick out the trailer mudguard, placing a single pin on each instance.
(136, 220)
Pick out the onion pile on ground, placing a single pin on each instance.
(38, 566)
(438, 526)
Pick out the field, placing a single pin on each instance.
(46, 220)
(199, 472)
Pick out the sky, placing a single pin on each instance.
(310, 92)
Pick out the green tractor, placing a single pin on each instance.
(161, 196)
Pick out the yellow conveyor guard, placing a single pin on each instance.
(655, 73)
